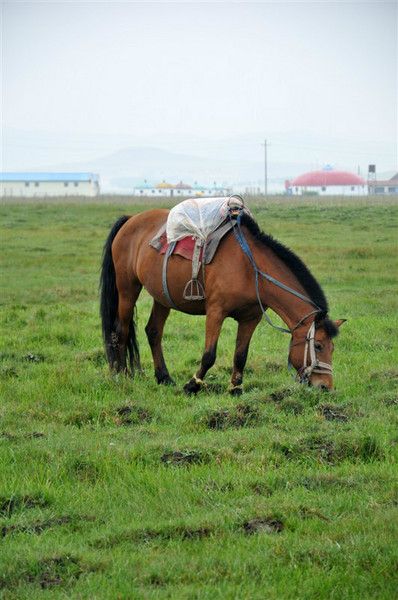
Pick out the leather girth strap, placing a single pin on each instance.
(166, 257)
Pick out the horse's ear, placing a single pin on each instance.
(339, 322)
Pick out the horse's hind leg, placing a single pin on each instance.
(214, 321)
(126, 334)
(154, 332)
(244, 335)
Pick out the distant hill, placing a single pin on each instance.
(123, 169)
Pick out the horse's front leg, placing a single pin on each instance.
(244, 335)
(214, 321)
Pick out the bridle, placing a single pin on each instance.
(316, 366)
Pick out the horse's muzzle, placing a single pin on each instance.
(321, 383)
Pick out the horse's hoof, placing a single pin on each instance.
(192, 387)
(166, 380)
(236, 390)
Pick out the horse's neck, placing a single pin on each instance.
(290, 308)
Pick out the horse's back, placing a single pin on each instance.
(145, 222)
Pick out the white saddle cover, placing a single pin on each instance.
(197, 217)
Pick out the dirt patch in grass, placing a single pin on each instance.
(263, 525)
(391, 401)
(16, 502)
(179, 532)
(274, 367)
(214, 388)
(279, 395)
(15, 437)
(132, 415)
(242, 415)
(332, 412)
(96, 357)
(332, 451)
(306, 512)
(8, 372)
(323, 449)
(156, 580)
(181, 458)
(387, 374)
(327, 480)
(284, 401)
(40, 249)
(66, 339)
(216, 486)
(48, 572)
(37, 527)
(56, 571)
(125, 415)
(256, 384)
(84, 470)
(80, 419)
(260, 488)
(8, 356)
(291, 406)
(34, 358)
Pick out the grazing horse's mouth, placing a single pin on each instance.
(321, 384)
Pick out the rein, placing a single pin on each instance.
(317, 366)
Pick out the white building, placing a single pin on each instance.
(327, 183)
(384, 186)
(49, 184)
(182, 190)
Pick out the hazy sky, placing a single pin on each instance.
(211, 69)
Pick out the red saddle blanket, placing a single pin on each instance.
(184, 247)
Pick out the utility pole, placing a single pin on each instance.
(265, 169)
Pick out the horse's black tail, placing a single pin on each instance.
(109, 306)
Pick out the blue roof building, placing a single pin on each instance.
(48, 184)
(25, 176)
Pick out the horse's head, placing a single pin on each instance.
(311, 352)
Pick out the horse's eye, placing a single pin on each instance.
(318, 346)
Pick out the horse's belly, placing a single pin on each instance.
(179, 272)
(189, 307)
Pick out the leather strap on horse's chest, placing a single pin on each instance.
(166, 257)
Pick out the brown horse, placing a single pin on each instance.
(285, 285)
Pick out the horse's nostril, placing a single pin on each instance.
(324, 387)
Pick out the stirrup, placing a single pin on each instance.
(194, 290)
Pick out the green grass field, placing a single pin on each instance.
(112, 488)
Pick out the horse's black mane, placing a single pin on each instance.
(296, 265)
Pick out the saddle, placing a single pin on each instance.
(200, 251)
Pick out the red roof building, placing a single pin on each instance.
(328, 182)
(183, 186)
